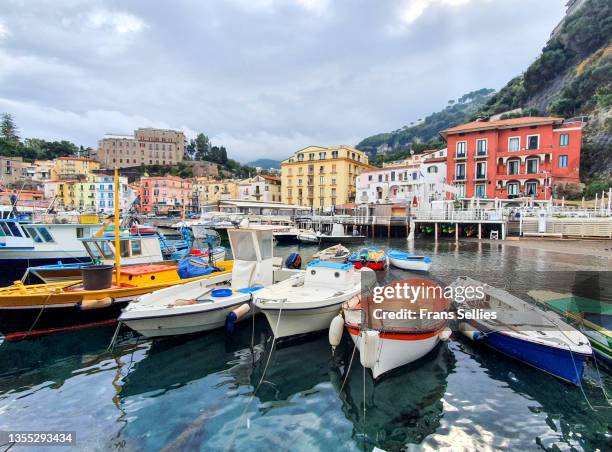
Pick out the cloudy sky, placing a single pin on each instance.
(262, 77)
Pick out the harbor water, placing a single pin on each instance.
(196, 392)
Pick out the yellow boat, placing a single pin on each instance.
(32, 310)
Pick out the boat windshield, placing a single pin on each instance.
(251, 245)
(99, 250)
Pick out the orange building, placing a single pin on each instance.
(529, 156)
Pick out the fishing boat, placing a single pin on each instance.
(338, 235)
(521, 330)
(336, 253)
(409, 261)
(593, 318)
(23, 244)
(205, 305)
(309, 236)
(28, 311)
(386, 342)
(370, 257)
(309, 300)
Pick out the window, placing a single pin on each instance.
(460, 171)
(432, 169)
(514, 144)
(531, 188)
(333, 192)
(481, 170)
(370, 178)
(532, 166)
(481, 147)
(461, 149)
(380, 178)
(392, 176)
(480, 190)
(136, 247)
(513, 166)
(564, 139)
(563, 161)
(461, 191)
(311, 156)
(513, 188)
(533, 142)
(300, 157)
(322, 155)
(321, 180)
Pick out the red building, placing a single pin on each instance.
(161, 194)
(529, 156)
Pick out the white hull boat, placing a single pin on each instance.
(387, 344)
(409, 261)
(339, 235)
(308, 301)
(211, 303)
(308, 237)
(336, 253)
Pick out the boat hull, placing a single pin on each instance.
(308, 238)
(376, 266)
(561, 363)
(398, 349)
(29, 323)
(286, 238)
(413, 265)
(183, 323)
(294, 322)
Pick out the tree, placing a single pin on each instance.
(8, 129)
(202, 144)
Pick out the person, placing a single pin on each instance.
(14, 203)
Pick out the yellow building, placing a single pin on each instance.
(207, 190)
(77, 194)
(320, 177)
(73, 166)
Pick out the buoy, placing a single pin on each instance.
(336, 328)
(470, 332)
(96, 304)
(369, 348)
(235, 315)
(445, 334)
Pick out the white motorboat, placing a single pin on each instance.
(336, 253)
(409, 261)
(309, 300)
(339, 235)
(286, 235)
(309, 236)
(386, 342)
(191, 308)
(23, 244)
(521, 330)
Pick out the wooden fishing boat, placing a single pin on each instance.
(336, 253)
(521, 330)
(387, 343)
(409, 261)
(370, 257)
(592, 317)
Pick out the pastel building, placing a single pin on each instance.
(417, 180)
(104, 192)
(208, 190)
(529, 156)
(322, 177)
(260, 188)
(66, 167)
(160, 194)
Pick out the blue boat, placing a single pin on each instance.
(520, 330)
(409, 261)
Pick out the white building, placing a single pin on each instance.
(260, 188)
(417, 180)
(105, 195)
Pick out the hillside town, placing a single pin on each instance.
(525, 157)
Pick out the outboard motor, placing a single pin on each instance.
(293, 261)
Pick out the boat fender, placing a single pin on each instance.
(235, 315)
(96, 304)
(294, 260)
(445, 334)
(470, 332)
(369, 348)
(336, 328)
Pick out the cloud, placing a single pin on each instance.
(261, 77)
(121, 23)
(4, 31)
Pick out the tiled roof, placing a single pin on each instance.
(501, 124)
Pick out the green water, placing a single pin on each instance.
(196, 393)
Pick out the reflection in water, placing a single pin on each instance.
(196, 392)
(403, 407)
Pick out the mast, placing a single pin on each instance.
(117, 232)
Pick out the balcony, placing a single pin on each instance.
(459, 178)
(481, 155)
(461, 156)
(480, 177)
